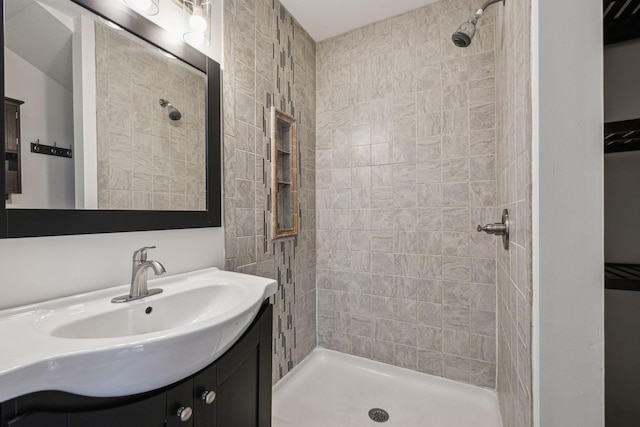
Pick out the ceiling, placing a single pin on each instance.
(41, 36)
(328, 18)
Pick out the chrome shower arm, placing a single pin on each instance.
(484, 7)
(489, 3)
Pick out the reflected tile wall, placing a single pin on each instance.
(514, 192)
(145, 160)
(405, 171)
(270, 60)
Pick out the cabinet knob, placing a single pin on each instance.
(184, 413)
(208, 396)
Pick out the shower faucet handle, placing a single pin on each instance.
(499, 229)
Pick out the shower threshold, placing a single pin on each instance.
(338, 390)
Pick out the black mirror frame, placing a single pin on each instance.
(54, 222)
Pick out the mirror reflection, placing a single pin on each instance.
(103, 119)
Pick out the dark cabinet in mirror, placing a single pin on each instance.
(125, 121)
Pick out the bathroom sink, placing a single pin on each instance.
(158, 313)
(87, 345)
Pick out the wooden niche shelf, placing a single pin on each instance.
(284, 175)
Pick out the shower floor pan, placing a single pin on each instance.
(331, 389)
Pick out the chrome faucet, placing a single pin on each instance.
(140, 265)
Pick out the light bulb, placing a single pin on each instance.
(196, 21)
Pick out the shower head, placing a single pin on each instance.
(464, 35)
(174, 113)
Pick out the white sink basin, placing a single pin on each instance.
(87, 345)
(166, 311)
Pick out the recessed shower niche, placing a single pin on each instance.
(284, 175)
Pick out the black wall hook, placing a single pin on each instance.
(38, 148)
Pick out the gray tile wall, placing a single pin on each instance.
(514, 192)
(405, 171)
(270, 60)
(145, 160)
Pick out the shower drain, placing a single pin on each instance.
(378, 415)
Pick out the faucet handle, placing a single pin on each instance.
(141, 254)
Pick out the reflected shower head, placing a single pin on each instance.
(464, 35)
(174, 113)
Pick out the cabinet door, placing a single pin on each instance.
(12, 181)
(265, 366)
(180, 397)
(244, 378)
(204, 383)
(11, 130)
(147, 413)
(238, 394)
(12, 146)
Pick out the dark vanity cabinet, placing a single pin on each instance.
(234, 391)
(13, 184)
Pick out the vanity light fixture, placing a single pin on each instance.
(144, 7)
(198, 15)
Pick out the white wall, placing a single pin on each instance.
(568, 214)
(621, 86)
(36, 269)
(47, 115)
(85, 114)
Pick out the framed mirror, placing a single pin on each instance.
(118, 123)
